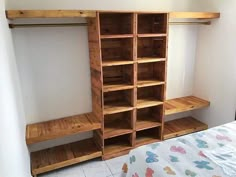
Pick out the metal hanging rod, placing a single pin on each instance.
(11, 25)
(190, 23)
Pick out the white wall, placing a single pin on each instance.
(215, 77)
(14, 158)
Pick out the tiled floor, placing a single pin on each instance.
(93, 168)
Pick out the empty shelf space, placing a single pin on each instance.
(148, 102)
(116, 23)
(116, 36)
(184, 104)
(61, 127)
(149, 117)
(152, 23)
(182, 126)
(117, 144)
(150, 60)
(116, 62)
(116, 86)
(152, 47)
(113, 108)
(117, 49)
(148, 136)
(117, 124)
(64, 155)
(151, 82)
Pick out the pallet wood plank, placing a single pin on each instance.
(195, 15)
(43, 131)
(148, 102)
(149, 82)
(14, 14)
(64, 155)
(184, 104)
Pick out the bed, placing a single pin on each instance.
(186, 156)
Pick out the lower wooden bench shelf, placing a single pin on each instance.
(64, 155)
(182, 126)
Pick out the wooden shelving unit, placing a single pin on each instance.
(128, 56)
(182, 126)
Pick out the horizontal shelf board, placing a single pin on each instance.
(152, 35)
(196, 15)
(110, 132)
(150, 59)
(115, 87)
(184, 104)
(182, 126)
(14, 14)
(116, 154)
(116, 108)
(143, 103)
(145, 140)
(43, 131)
(114, 36)
(64, 155)
(106, 63)
(146, 123)
(116, 148)
(151, 82)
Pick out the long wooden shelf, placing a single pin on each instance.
(152, 35)
(151, 82)
(14, 14)
(106, 63)
(64, 155)
(144, 103)
(116, 86)
(195, 15)
(61, 127)
(116, 108)
(182, 126)
(184, 104)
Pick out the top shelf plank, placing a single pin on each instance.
(43, 131)
(194, 15)
(184, 104)
(14, 14)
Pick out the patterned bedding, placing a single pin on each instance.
(183, 156)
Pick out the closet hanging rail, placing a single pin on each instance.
(11, 25)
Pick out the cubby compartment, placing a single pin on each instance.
(118, 78)
(152, 23)
(116, 23)
(118, 101)
(118, 124)
(117, 51)
(117, 144)
(150, 96)
(149, 117)
(151, 47)
(148, 136)
(150, 74)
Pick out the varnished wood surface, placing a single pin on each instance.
(14, 14)
(148, 102)
(61, 127)
(182, 126)
(116, 36)
(194, 15)
(146, 123)
(183, 104)
(150, 59)
(149, 82)
(117, 107)
(64, 155)
(116, 62)
(116, 86)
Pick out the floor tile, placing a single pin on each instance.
(119, 175)
(96, 168)
(49, 174)
(72, 171)
(115, 164)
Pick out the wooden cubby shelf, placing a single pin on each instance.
(184, 104)
(148, 136)
(182, 126)
(194, 15)
(150, 60)
(61, 127)
(114, 62)
(149, 82)
(117, 124)
(64, 155)
(117, 36)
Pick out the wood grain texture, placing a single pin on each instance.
(184, 104)
(148, 102)
(116, 62)
(64, 155)
(149, 82)
(150, 59)
(43, 131)
(195, 15)
(14, 14)
(148, 136)
(182, 126)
